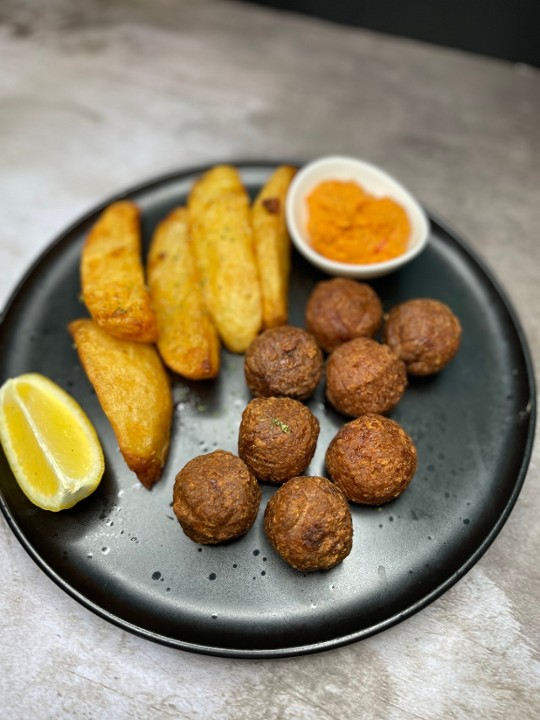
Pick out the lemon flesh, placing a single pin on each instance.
(49, 442)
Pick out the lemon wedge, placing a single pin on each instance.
(49, 442)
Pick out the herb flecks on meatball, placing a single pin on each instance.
(277, 438)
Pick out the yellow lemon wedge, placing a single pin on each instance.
(50, 443)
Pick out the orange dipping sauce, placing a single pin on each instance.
(348, 225)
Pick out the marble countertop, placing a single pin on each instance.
(99, 96)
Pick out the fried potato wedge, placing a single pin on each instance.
(134, 391)
(273, 246)
(222, 241)
(112, 275)
(187, 338)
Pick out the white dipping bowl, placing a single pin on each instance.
(374, 181)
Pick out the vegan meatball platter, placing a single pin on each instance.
(269, 533)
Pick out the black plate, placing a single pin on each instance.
(120, 552)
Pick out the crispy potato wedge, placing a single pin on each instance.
(187, 338)
(273, 246)
(134, 391)
(112, 275)
(222, 240)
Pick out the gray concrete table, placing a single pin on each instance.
(98, 96)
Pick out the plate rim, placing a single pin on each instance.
(326, 645)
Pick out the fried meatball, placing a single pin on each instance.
(364, 376)
(283, 361)
(341, 309)
(425, 334)
(277, 438)
(216, 498)
(308, 522)
(372, 459)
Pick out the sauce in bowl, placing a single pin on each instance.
(347, 224)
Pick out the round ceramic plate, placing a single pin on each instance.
(121, 552)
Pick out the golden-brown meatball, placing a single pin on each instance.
(372, 459)
(341, 309)
(364, 376)
(283, 361)
(215, 498)
(425, 334)
(308, 522)
(277, 438)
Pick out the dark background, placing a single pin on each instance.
(506, 29)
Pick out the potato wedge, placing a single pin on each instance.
(273, 246)
(187, 338)
(112, 275)
(222, 240)
(134, 391)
